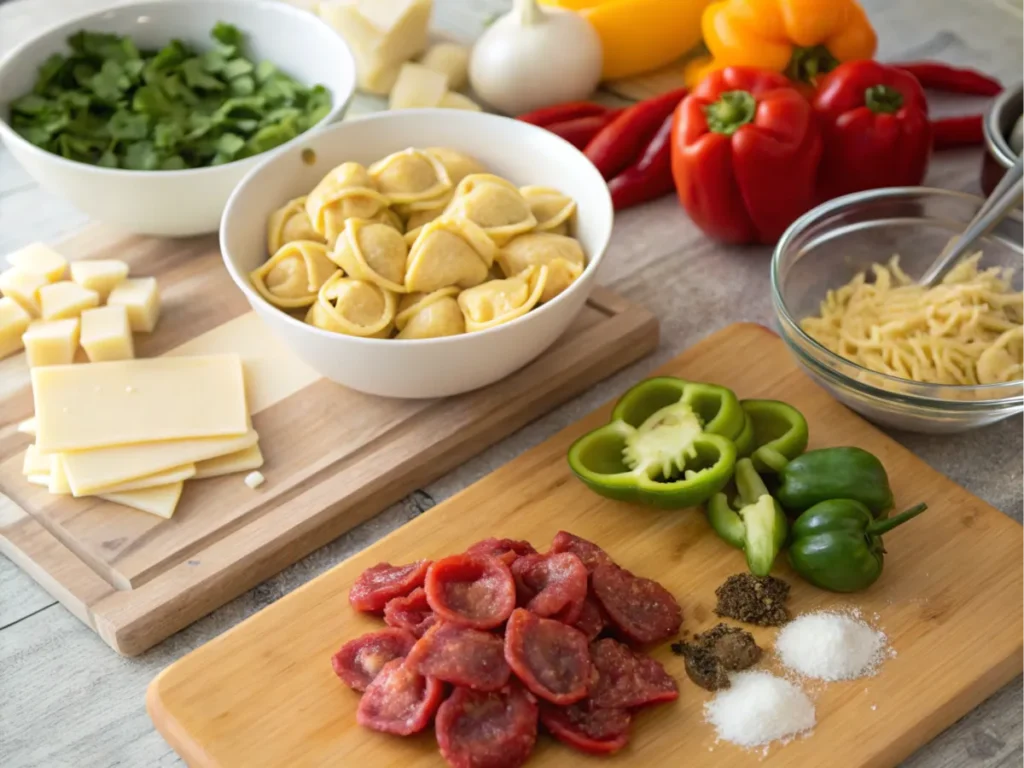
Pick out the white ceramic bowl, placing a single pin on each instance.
(173, 203)
(421, 368)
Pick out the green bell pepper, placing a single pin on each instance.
(669, 445)
(779, 434)
(834, 473)
(837, 544)
(758, 526)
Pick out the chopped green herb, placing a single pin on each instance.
(109, 104)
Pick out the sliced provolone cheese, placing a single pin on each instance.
(43, 480)
(28, 426)
(35, 463)
(91, 471)
(242, 461)
(174, 475)
(58, 476)
(79, 407)
(161, 500)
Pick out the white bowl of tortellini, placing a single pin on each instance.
(420, 253)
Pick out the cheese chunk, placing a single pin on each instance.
(173, 475)
(240, 461)
(254, 480)
(41, 260)
(58, 477)
(453, 100)
(139, 401)
(161, 500)
(23, 287)
(35, 463)
(106, 335)
(451, 60)
(51, 343)
(417, 86)
(28, 426)
(90, 471)
(100, 275)
(140, 297)
(14, 320)
(63, 300)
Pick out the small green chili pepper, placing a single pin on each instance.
(837, 544)
(758, 526)
(669, 444)
(834, 473)
(779, 434)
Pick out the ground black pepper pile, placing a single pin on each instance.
(753, 599)
(715, 653)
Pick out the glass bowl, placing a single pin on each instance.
(827, 246)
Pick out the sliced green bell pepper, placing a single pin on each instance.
(779, 434)
(834, 473)
(837, 544)
(758, 525)
(663, 446)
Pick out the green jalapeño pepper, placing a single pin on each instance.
(758, 526)
(778, 434)
(834, 473)
(837, 544)
(663, 446)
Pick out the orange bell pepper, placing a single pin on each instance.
(640, 35)
(799, 38)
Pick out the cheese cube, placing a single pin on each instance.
(453, 100)
(23, 287)
(65, 299)
(39, 259)
(142, 300)
(13, 322)
(417, 86)
(106, 334)
(100, 275)
(449, 59)
(51, 343)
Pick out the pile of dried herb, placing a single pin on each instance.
(107, 103)
(753, 599)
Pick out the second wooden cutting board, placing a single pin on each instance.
(950, 600)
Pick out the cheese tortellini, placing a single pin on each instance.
(424, 243)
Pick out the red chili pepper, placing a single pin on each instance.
(943, 77)
(650, 177)
(963, 131)
(745, 154)
(874, 122)
(562, 112)
(622, 140)
(581, 130)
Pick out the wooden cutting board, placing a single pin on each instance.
(334, 457)
(950, 600)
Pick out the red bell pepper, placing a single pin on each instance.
(874, 122)
(745, 155)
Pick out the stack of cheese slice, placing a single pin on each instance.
(133, 431)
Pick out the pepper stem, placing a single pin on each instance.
(884, 526)
(807, 63)
(749, 483)
(882, 99)
(528, 12)
(732, 110)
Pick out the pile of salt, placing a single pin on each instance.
(758, 708)
(830, 646)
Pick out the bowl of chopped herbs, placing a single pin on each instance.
(145, 116)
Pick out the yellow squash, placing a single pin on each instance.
(640, 35)
(802, 38)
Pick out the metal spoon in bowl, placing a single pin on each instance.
(1004, 197)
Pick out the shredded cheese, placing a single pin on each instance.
(966, 330)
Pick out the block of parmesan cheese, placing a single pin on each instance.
(79, 407)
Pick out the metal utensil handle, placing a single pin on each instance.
(1005, 196)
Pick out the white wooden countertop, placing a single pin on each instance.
(66, 699)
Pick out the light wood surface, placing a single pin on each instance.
(950, 600)
(88, 710)
(333, 457)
